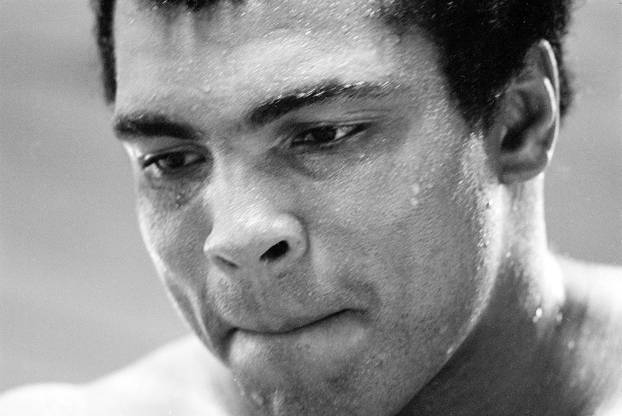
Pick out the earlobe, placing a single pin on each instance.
(526, 125)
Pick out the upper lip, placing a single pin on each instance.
(291, 325)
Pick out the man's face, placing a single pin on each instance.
(310, 196)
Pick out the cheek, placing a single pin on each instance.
(420, 230)
(446, 246)
(172, 219)
(431, 284)
(174, 238)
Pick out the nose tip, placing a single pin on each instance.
(276, 244)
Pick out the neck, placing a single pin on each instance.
(506, 361)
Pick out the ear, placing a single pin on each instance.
(526, 124)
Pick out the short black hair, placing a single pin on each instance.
(483, 43)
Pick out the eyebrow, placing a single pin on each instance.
(145, 124)
(152, 125)
(285, 103)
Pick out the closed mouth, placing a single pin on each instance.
(337, 334)
(294, 327)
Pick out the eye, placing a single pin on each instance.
(170, 163)
(326, 136)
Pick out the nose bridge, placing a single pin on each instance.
(253, 231)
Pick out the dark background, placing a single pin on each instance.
(78, 295)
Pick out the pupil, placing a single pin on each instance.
(174, 160)
(324, 134)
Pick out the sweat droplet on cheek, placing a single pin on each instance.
(415, 190)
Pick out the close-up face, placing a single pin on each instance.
(314, 202)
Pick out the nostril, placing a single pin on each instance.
(224, 263)
(275, 252)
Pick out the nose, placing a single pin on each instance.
(256, 240)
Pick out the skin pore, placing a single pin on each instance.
(340, 240)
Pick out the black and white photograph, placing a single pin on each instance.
(310, 208)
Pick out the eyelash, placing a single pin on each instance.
(350, 131)
(153, 161)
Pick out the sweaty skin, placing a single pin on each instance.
(337, 236)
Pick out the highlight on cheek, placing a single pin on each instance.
(415, 189)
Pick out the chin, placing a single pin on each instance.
(283, 378)
(368, 384)
(292, 395)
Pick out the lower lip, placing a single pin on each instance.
(333, 336)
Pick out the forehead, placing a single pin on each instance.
(250, 49)
(228, 23)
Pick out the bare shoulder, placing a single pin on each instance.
(39, 399)
(598, 285)
(181, 378)
(593, 328)
(596, 291)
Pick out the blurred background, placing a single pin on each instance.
(78, 295)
